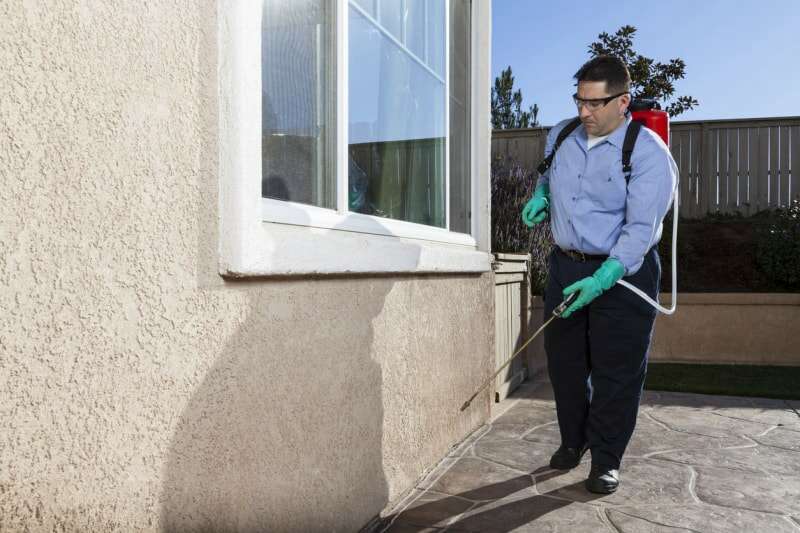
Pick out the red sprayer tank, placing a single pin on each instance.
(649, 113)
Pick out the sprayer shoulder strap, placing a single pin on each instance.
(631, 134)
(627, 148)
(544, 166)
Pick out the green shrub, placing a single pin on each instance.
(779, 246)
(691, 259)
(512, 186)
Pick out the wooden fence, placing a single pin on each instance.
(726, 166)
(511, 303)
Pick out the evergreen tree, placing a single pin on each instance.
(507, 110)
(649, 78)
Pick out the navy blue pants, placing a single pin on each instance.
(597, 358)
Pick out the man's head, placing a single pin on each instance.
(603, 94)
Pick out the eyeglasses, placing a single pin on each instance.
(594, 104)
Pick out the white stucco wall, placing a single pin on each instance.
(138, 389)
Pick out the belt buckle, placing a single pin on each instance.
(576, 255)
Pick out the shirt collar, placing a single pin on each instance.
(617, 137)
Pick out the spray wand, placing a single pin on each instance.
(557, 312)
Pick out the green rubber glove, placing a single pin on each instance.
(535, 210)
(603, 279)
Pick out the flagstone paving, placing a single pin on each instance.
(696, 463)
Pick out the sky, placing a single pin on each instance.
(742, 56)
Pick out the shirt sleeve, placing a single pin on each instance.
(650, 194)
(552, 135)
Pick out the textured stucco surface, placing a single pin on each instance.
(139, 390)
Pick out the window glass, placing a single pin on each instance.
(397, 120)
(298, 101)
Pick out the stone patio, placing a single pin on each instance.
(695, 463)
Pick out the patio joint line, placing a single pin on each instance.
(754, 444)
(560, 498)
(775, 446)
(676, 430)
(445, 495)
(540, 426)
(788, 428)
(454, 519)
(506, 439)
(492, 461)
(656, 523)
(762, 511)
(657, 422)
(790, 406)
(640, 505)
(429, 485)
(468, 441)
(548, 470)
(676, 461)
(763, 433)
(742, 419)
(792, 520)
(535, 485)
(693, 483)
(673, 450)
(603, 513)
(657, 505)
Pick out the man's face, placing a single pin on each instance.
(598, 118)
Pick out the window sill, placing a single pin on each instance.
(292, 213)
(290, 250)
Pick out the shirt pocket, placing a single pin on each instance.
(562, 175)
(606, 189)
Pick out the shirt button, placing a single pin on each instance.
(573, 198)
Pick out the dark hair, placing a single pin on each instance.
(609, 69)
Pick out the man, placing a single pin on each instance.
(606, 226)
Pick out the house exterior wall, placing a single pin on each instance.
(141, 391)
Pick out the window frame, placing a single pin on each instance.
(264, 237)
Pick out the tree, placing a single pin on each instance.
(507, 110)
(649, 78)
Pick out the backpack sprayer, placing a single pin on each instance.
(647, 113)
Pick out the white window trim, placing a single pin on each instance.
(264, 237)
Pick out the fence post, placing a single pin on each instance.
(752, 172)
(785, 198)
(763, 177)
(794, 185)
(708, 189)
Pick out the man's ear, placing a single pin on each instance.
(624, 102)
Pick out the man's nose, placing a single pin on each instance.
(583, 112)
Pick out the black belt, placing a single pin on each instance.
(575, 255)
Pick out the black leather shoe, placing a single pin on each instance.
(566, 458)
(602, 479)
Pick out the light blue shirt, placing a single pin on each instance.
(590, 209)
